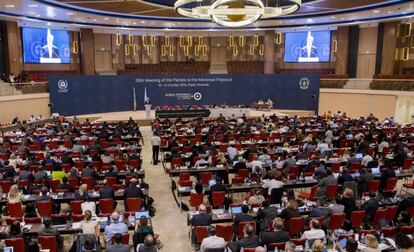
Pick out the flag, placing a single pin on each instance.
(135, 101)
(145, 95)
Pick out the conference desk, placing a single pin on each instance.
(68, 197)
(195, 171)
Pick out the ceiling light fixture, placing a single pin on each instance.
(234, 13)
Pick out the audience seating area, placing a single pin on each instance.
(42, 76)
(393, 82)
(238, 67)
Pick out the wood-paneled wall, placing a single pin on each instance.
(87, 51)
(13, 45)
(367, 52)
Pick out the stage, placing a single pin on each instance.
(140, 115)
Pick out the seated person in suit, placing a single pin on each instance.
(250, 240)
(107, 192)
(370, 207)
(30, 210)
(345, 176)
(133, 191)
(217, 187)
(200, 219)
(48, 230)
(241, 217)
(213, 241)
(118, 246)
(65, 185)
(266, 214)
(277, 236)
(291, 211)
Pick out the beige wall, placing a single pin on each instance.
(367, 52)
(357, 103)
(23, 106)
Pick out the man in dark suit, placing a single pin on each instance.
(200, 219)
(386, 174)
(277, 236)
(217, 187)
(107, 192)
(266, 214)
(89, 172)
(65, 185)
(250, 240)
(242, 217)
(48, 230)
(132, 191)
(370, 207)
(118, 246)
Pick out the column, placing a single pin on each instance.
(87, 52)
(269, 52)
(13, 50)
(342, 50)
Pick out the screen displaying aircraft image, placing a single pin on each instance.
(311, 46)
(45, 46)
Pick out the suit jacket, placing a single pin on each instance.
(118, 248)
(246, 242)
(275, 237)
(133, 192)
(67, 187)
(240, 218)
(404, 204)
(323, 185)
(388, 173)
(201, 219)
(370, 207)
(107, 192)
(266, 215)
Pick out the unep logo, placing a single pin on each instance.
(304, 83)
(63, 86)
(197, 96)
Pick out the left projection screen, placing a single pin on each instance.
(45, 46)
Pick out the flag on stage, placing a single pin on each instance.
(145, 95)
(135, 101)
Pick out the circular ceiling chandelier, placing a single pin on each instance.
(234, 13)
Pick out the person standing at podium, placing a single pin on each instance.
(155, 142)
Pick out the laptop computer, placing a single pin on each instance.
(48, 173)
(8, 249)
(236, 210)
(356, 174)
(139, 214)
(268, 162)
(375, 170)
(358, 155)
(211, 182)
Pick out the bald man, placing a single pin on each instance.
(115, 227)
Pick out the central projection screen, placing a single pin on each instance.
(308, 47)
(79, 95)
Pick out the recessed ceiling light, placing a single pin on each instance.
(332, 17)
(134, 23)
(107, 18)
(10, 6)
(376, 11)
(38, 15)
(33, 5)
(342, 18)
(94, 20)
(69, 13)
(390, 12)
(48, 23)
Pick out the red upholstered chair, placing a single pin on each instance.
(15, 210)
(185, 176)
(248, 249)
(111, 181)
(357, 218)
(407, 229)
(296, 225)
(5, 185)
(45, 207)
(88, 181)
(331, 191)
(205, 177)
(237, 180)
(336, 220)
(76, 207)
(74, 182)
(134, 204)
(201, 232)
(196, 200)
(244, 173)
(407, 164)
(309, 195)
(365, 232)
(16, 243)
(279, 246)
(25, 183)
(373, 185)
(106, 206)
(218, 198)
(380, 214)
(391, 183)
(48, 242)
(389, 231)
(242, 225)
(391, 211)
(54, 184)
(186, 183)
(125, 239)
(410, 211)
(224, 231)
(65, 167)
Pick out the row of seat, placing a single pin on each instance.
(167, 67)
(41, 76)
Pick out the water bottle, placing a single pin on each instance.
(362, 240)
(382, 238)
(276, 249)
(306, 245)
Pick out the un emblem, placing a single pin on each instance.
(63, 86)
(197, 96)
(304, 83)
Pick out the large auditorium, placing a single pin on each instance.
(206, 125)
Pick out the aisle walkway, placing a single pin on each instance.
(168, 222)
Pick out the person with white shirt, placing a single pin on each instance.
(366, 159)
(203, 162)
(271, 184)
(383, 144)
(322, 147)
(256, 162)
(155, 142)
(88, 205)
(264, 156)
(315, 232)
(232, 152)
(213, 241)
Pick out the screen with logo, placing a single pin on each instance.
(45, 46)
(311, 46)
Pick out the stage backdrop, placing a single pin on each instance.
(77, 95)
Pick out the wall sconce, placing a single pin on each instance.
(235, 51)
(152, 40)
(405, 54)
(171, 51)
(204, 50)
(334, 45)
(145, 40)
(255, 40)
(118, 41)
(231, 41)
(75, 47)
(278, 38)
(241, 41)
(135, 49)
(261, 50)
(127, 50)
(167, 41)
(252, 49)
(131, 40)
